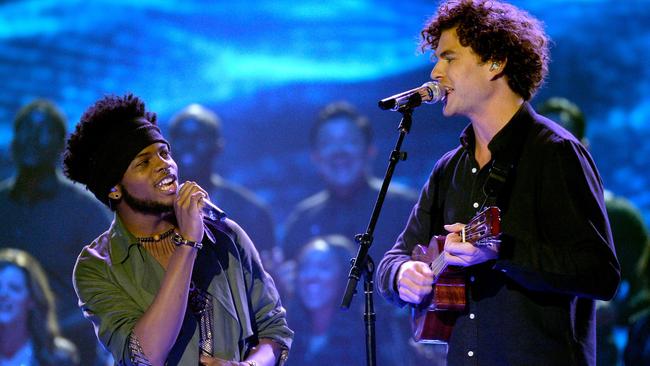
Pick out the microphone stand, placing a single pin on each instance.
(363, 263)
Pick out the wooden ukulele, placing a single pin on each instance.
(433, 319)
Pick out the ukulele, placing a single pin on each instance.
(433, 319)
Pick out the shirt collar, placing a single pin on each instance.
(509, 139)
(122, 241)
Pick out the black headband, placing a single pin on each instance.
(114, 155)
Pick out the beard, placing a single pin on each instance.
(146, 206)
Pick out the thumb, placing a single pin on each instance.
(422, 268)
(454, 228)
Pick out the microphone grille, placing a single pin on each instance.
(435, 93)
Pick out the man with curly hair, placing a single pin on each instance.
(531, 294)
(165, 285)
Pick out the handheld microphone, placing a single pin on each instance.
(430, 92)
(211, 211)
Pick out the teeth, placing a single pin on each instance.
(165, 182)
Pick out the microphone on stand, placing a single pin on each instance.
(430, 92)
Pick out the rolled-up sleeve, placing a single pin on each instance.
(270, 315)
(112, 312)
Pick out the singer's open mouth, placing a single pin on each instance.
(167, 184)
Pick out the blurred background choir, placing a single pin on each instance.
(272, 109)
(46, 220)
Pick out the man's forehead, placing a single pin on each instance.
(36, 118)
(448, 43)
(337, 126)
(156, 146)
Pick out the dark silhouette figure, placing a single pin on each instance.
(195, 134)
(46, 215)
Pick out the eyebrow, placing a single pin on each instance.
(446, 53)
(144, 154)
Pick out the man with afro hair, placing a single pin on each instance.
(165, 285)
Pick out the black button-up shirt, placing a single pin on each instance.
(534, 305)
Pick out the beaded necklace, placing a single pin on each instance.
(157, 237)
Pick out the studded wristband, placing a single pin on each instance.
(179, 240)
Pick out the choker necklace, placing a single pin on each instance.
(157, 237)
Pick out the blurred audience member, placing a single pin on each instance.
(637, 351)
(342, 152)
(195, 134)
(29, 330)
(325, 335)
(630, 238)
(46, 215)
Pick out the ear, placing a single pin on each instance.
(496, 67)
(115, 193)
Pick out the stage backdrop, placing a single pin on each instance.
(266, 67)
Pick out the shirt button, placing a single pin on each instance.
(470, 353)
(474, 170)
(475, 205)
(472, 316)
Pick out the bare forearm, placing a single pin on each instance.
(266, 353)
(158, 328)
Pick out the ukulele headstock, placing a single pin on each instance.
(484, 228)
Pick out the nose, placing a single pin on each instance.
(436, 73)
(162, 163)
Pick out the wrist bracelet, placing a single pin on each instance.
(179, 240)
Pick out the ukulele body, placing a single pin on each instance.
(433, 319)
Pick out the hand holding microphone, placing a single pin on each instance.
(190, 220)
(209, 209)
(188, 217)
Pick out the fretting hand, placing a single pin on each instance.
(459, 253)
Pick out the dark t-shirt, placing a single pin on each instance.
(325, 214)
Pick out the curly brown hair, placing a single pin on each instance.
(496, 31)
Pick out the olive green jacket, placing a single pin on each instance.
(116, 280)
